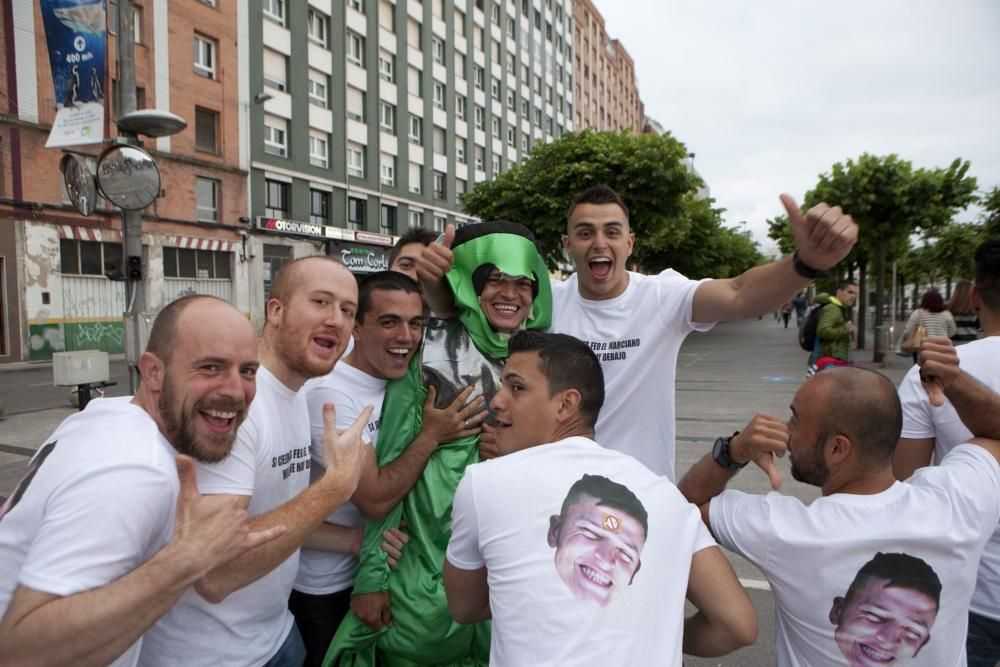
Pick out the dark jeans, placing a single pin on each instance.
(292, 653)
(318, 617)
(982, 644)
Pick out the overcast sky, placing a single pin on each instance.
(769, 94)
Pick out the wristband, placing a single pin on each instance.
(805, 270)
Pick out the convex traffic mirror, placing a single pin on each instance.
(128, 177)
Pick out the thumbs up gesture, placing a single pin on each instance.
(436, 259)
(823, 236)
(211, 530)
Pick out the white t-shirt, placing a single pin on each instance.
(980, 359)
(636, 336)
(97, 501)
(269, 462)
(567, 588)
(350, 391)
(941, 518)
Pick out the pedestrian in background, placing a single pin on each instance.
(932, 316)
(786, 312)
(965, 315)
(800, 303)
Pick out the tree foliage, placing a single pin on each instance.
(889, 200)
(672, 227)
(991, 213)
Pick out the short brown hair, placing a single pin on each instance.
(597, 194)
(287, 280)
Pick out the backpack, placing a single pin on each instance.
(807, 334)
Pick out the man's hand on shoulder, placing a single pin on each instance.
(823, 236)
(460, 419)
(764, 438)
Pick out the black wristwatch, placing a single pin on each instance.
(805, 270)
(720, 452)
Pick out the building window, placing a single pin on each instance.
(208, 199)
(275, 10)
(416, 134)
(319, 149)
(356, 160)
(275, 70)
(495, 124)
(439, 222)
(440, 138)
(460, 145)
(319, 207)
(459, 65)
(201, 264)
(480, 158)
(439, 95)
(355, 213)
(510, 137)
(460, 186)
(205, 49)
(459, 23)
(318, 27)
(479, 77)
(276, 199)
(415, 178)
(136, 21)
(413, 33)
(460, 107)
(525, 106)
(480, 120)
(439, 189)
(437, 50)
(386, 69)
(416, 219)
(387, 15)
(496, 166)
(89, 258)
(525, 142)
(495, 13)
(387, 117)
(355, 104)
(318, 88)
(206, 130)
(495, 88)
(355, 5)
(276, 136)
(387, 173)
(387, 220)
(511, 98)
(355, 49)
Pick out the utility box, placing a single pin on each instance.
(70, 369)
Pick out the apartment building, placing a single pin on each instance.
(606, 91)
(55, 291)
(370, 116)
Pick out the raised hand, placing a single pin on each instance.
(458, 420)
(823, 236)
(212, 530)
(436, 259)
(343, 451)
(939, 367)
(763, 438)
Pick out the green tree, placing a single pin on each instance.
(648, 171)
(890, 199)
(951, 254)
(991, 213)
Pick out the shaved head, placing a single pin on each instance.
(864, 406)
(164, 334)
(291, 275)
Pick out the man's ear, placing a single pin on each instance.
(838, 448)
(837, 610)
(553, 538)
(275, 309)
(569, 405)
(151, 370)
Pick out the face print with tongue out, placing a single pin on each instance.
(599, 241)
(597, 548)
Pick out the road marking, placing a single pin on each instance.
(757, 584)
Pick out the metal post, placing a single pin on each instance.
(135, 265)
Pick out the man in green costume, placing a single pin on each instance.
(500, 285)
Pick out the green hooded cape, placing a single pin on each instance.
(423, 632)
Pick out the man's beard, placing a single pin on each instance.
(179, 427)
(814, 470)
(296, 359)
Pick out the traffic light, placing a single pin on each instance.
(134, 266)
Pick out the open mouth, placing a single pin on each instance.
(398, 353)
(876, 656)
(325, 342)
(219, 420)
(505, 308)
(596, 578)
(600, 267)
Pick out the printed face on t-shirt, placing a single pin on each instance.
(598, 548)
(881, 624)
(599, 242)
